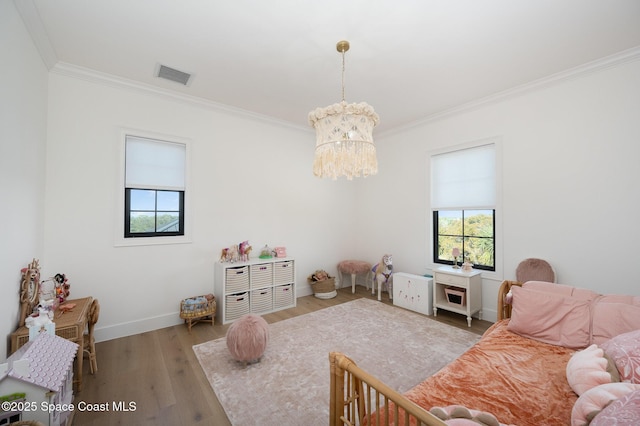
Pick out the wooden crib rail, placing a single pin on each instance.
(504, 308)
(358, 399)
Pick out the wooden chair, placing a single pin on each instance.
(89, 340)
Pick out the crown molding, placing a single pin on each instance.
(611, 61)
(97, 77)
(31, 18)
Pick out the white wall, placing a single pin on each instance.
(569, 164)
(570, 173)
(23, 90)
(252, 180)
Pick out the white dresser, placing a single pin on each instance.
(413, 292)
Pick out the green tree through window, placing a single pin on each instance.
(471, 231)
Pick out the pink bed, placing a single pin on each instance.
(542, 363)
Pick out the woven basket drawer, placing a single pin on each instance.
(237, 279)
(283, 272)
(262, 300)
(283, 296)
(236, 306)
(261, 275)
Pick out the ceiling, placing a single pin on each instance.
(409, 59)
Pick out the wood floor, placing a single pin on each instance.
(154, 378)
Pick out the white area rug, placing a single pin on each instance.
(290, 385)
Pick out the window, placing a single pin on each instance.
(154, 187)
(471, 231)
(463, 201)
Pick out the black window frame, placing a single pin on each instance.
(128, 211)
(436, 239)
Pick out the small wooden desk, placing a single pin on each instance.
(70, 325)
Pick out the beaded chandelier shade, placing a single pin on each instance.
(344, 136)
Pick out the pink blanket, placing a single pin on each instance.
(519, 380)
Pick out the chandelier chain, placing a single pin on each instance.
(343, 76)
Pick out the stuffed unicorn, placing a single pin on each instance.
(383, 274)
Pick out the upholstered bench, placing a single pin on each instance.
(354, 267)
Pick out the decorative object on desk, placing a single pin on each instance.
(323, 285)
(266, 252)
(66, 307)
(62, 287)
(467, 266)
(29, 290)
(244, 249)
(344, 136)
(198, 308)
(280, 251)
(383, 275)
(42, 322)
(455, 253)
(247, 338)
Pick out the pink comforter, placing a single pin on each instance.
(519, 380)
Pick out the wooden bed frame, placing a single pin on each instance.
(358, 398)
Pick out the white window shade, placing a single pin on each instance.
(154, 164)
(464, 179)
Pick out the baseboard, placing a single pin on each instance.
(307, 291)
(136, 327)
(490, 315)
(154, 323)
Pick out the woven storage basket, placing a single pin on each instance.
(325, 286)
(192, 313)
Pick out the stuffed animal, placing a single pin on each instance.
(244, 249)
(233, 254)
(383, 276)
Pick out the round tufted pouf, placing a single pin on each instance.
(247, 338)
(354, 267)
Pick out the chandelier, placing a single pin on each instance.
(344, 136)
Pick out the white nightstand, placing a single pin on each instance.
(457, 291)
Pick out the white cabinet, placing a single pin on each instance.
(413, 292)
(257, 286)
(457, 291)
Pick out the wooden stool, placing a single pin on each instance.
(354, 267)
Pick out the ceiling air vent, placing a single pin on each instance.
(173, 75)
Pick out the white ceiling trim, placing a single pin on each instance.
(74, 71)
(617, 59)
(81, 73)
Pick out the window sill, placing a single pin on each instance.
(151, 241)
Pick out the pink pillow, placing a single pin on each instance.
(612, 319)
(619, 298)
(624, 349)
(550, 318)
(458, 415)
(596, 399)
(561, 289)
(587, 369)
(621, 412)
